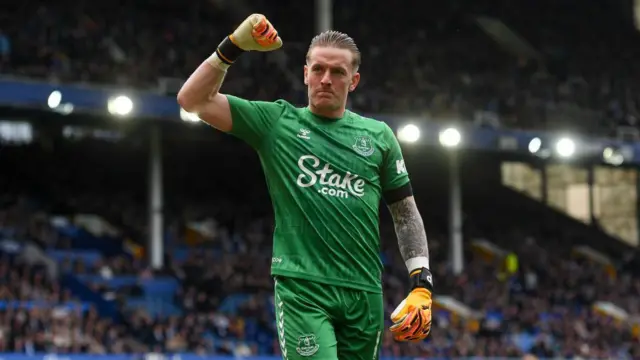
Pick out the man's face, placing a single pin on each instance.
(329, 77)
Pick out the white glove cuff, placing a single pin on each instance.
(216, 62)
(417, 263)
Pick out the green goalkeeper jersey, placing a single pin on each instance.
(326, 178)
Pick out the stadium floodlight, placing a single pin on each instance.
(535, 145)
(64, 109)
(120, 105)
(565, 147)
(189, 117)
(450, 137)
(54, 99)
(612, 156)
(409, 133)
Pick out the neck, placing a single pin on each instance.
(331, 114)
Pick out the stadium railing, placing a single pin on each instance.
(102, 101)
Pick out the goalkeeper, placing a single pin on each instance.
(326, 168)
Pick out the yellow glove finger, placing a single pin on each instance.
(414, 326)
(266, 35)
(419, 297)
(256, 33)
(401, 312)
(412, 318)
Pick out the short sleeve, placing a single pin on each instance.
(394, 173)
(253, 120)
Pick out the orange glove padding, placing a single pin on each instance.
(256, 33)
(412, 318)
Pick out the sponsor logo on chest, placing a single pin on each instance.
(331, 182)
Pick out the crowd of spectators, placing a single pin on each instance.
(544, 309)
(38, 315)
(438, 64)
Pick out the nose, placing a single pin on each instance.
(326, 79)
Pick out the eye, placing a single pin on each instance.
(338, 72)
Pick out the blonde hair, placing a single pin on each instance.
(336, 39)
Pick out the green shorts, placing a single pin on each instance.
(327, 322)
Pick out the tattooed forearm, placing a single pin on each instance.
(412, 238)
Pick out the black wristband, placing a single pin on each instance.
(228, 52)
(421, 278)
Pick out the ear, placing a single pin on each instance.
(355, 80)
(306, 74)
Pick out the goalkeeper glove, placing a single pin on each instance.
(412, 318)
(254, 34)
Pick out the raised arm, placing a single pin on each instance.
(200, 94)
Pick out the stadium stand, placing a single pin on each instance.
(74, 221)
(225, 308)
